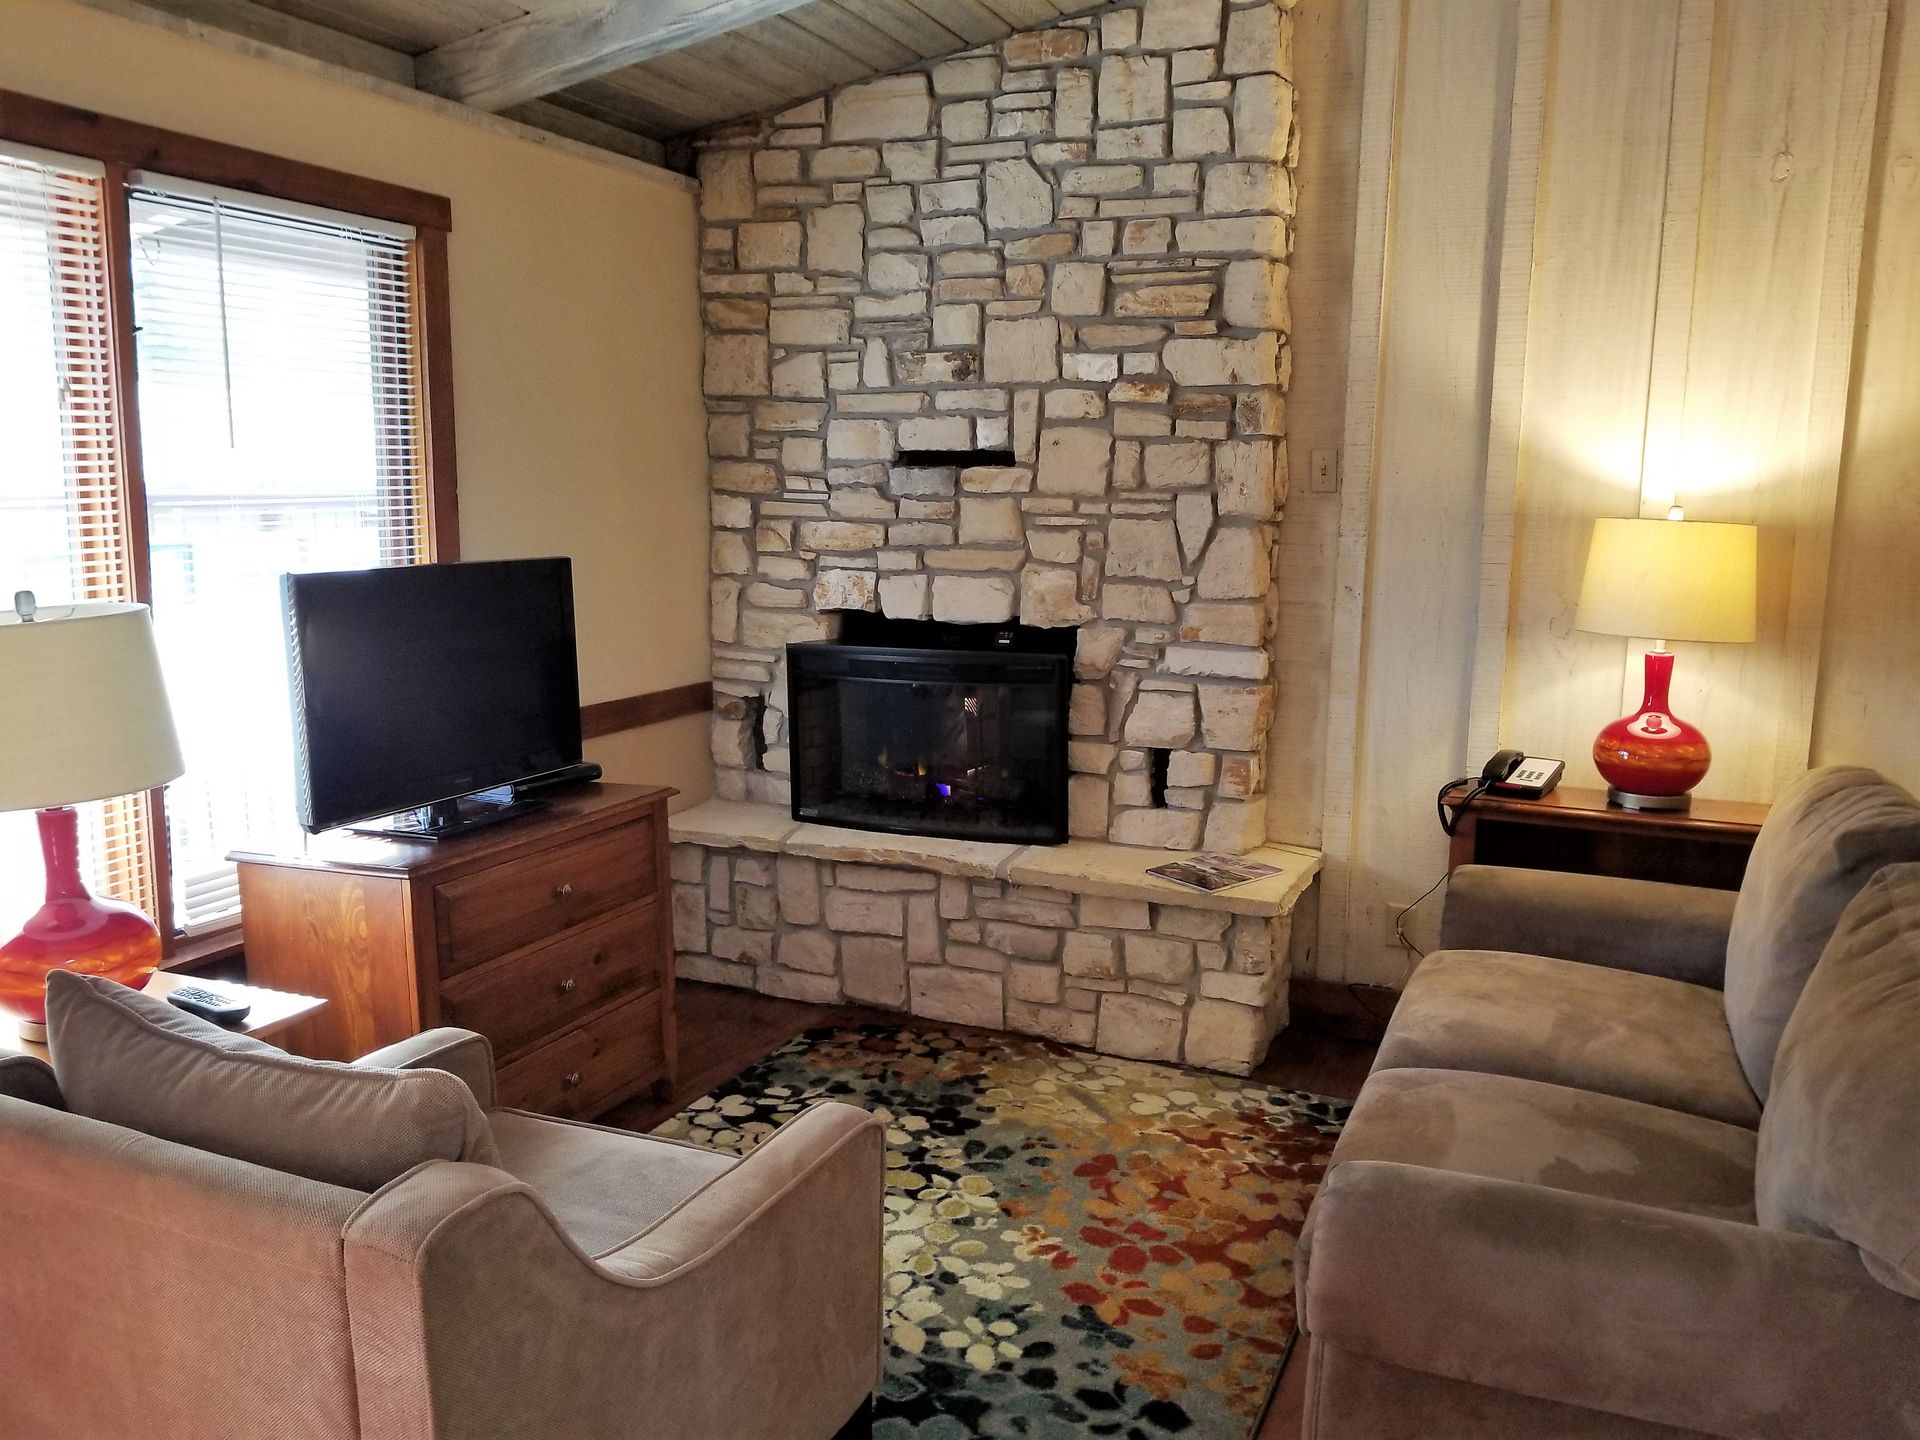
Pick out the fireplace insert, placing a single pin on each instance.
(923, 728)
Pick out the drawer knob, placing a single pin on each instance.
(570, 1079)
(566, 986)
(563, 892)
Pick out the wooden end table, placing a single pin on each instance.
(1574, 829)
(273, 1010)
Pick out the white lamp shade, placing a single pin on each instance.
(1670, 580)
(83, 710)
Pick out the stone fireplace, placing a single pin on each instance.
(1002, 339)
(996, 347)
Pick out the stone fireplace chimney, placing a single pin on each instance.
(1002, 338)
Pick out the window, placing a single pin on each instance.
(201, 388)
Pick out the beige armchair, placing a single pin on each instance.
(593, 1285)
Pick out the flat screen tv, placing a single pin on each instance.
(416, 685)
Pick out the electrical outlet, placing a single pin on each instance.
(1390, 923)
(1325, 476)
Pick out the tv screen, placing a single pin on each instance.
(420, 683)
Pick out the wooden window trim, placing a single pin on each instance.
(124, 146)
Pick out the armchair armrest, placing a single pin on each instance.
(522, 1333)
(28, 1077)
(461, 1053)
(1675, 1319)
(1675, 931)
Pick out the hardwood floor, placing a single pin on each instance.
(722, 1031)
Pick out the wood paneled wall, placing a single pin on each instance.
(1605, 257)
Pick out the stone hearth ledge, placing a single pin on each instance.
(1079, 867)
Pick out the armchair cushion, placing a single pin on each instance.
(1676, 1319)
(1592, 1027)
(1839, 1153)
(1676, 931)
(133, 1060)
(1826, 836)
(603, 1186)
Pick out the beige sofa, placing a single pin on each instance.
(1641, 1162)
(584, 1283)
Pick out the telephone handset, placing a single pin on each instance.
(1507, 772)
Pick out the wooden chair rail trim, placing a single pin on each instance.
(49, 125)
(631, 712)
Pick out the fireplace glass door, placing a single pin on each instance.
(965, 744)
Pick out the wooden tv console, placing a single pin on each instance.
(549, 934)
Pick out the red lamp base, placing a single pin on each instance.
(1652, 758)
(74, 930)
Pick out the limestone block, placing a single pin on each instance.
(726, 184)
(1035, 984)
(1222, 361)
(997, 479)
(1087, 807)
(735, 365)
(956, 324)
(1235, 664)
(864, 912)
(874, 971)
(769, 245)
(724, 610)
(803, 375)
(894, 107)
(922, 480)
(1237, 825)
(1139, 1028)
(1191, 767)
(835, 239)
(1079, 288)
(1152, 604)
(1255, 990)
(1096, 648)
(894, 272)
(885, 879)
(1161, 829)
(752, 947)
(688, 863)
(904, 597)
(844, 590)
(1057, 1023)
(1241, 187)
(845, 162)
(1162, 302)
(1242, 776)
(923, 930)
(1201, 132)
(798, 985)
(1019, 197)
(1255, 295)
(1236, 718)
(1259, 40)
(1074, 459)
(974, 599)
(1161, 718)
(1055, 546)
(969, 75)
(1091, 956)
(1244, 478)
(842, 535)
(1190, 924)
(1179, 465)
(1112, 914)
(724, 313)
(690, 917)
(1102, 179)
(1073, 95)
(1152, 957)
(1043, 47)
(990, 521)
(911, 159)
(797, 882)
(746, 476)
(1029, 942)
(1087, 710)
(955, 897)
(731, 741)
(959, 997)
(1050, 596)
(755, 906)
(1132, 88)
(1145, 548)
(1237, 565)
(859, 440)
(1224, 1036)
(1020, 350)
(1262, 117)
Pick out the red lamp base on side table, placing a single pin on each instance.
(73, 931)
(1652, 758)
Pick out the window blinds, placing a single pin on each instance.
(63, 521)
(280, 423)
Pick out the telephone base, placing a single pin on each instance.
(1627, 800)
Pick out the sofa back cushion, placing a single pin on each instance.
(1825, 838)
(1839, 1147)
(133, 1060)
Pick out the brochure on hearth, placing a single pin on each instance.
(1213, 872)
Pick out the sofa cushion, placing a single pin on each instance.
(1502, 1128)
(1839, 1149)
(1825, 837)
(603, 1186)
(133, 1060)
(1640, 1037)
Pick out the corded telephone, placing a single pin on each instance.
(1507, 772)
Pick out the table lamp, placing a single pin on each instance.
(83, 716)
(1671, 579)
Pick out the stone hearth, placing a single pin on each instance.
(1055, 267)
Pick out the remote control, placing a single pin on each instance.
(209, 1004)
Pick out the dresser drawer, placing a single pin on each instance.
(523, 998)
(507, 906)
(607, 1059)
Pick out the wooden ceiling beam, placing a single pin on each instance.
(546, 51)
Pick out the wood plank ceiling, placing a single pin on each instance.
(627, 74)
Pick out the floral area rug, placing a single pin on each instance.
(1076, 1245)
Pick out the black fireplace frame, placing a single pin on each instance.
(959, 654)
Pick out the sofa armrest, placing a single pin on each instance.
(522, 1333)
(1675, 931)
(28, 1077)
(1675, 1319)
(461, 1053)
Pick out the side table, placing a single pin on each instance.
(273, 1010)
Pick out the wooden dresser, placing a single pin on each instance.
(548, 934)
